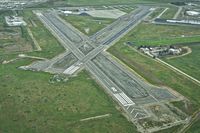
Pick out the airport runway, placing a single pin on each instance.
(125, 87)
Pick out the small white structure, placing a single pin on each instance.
(15, 21)
(175, 51)
(67, 12)
(192, 4)
(192, 13)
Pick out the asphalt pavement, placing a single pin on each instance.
(119, 82)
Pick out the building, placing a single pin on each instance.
(174, 51)
(15, 21)
(192, 13)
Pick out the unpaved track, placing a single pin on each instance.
(179, 71)
(95, 117)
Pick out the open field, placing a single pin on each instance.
(156, 12)
(13, 39)
(170, 130)
(50, 46)
(189, 63)
(126, 9)
(169, 14)
(2, 19)
(185, 106)
(31, 104)
(53, 3)
(169, 41)
(195, 128)
(151, 34)
(107, 2)
(87, 24)
(99, 2)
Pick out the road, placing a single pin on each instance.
(179, 71)
(178, 13)
(162, 13)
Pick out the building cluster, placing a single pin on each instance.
(15, 21)
(160, 51)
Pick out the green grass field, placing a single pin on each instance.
(169, 14)
(156, 12)
(190, 63)
(151, 34)
(185, 106)
(110, 2)
(29, 103)
(58, 3)
(49, 44)
(195, 128)
(100, 2)
(84, 23)
(127, 9)
(170, 130)
(2, 15)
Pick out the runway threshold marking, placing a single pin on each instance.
(124, 99)
(154, 98)
(136, 115)
(132, 110)
(128, 107)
